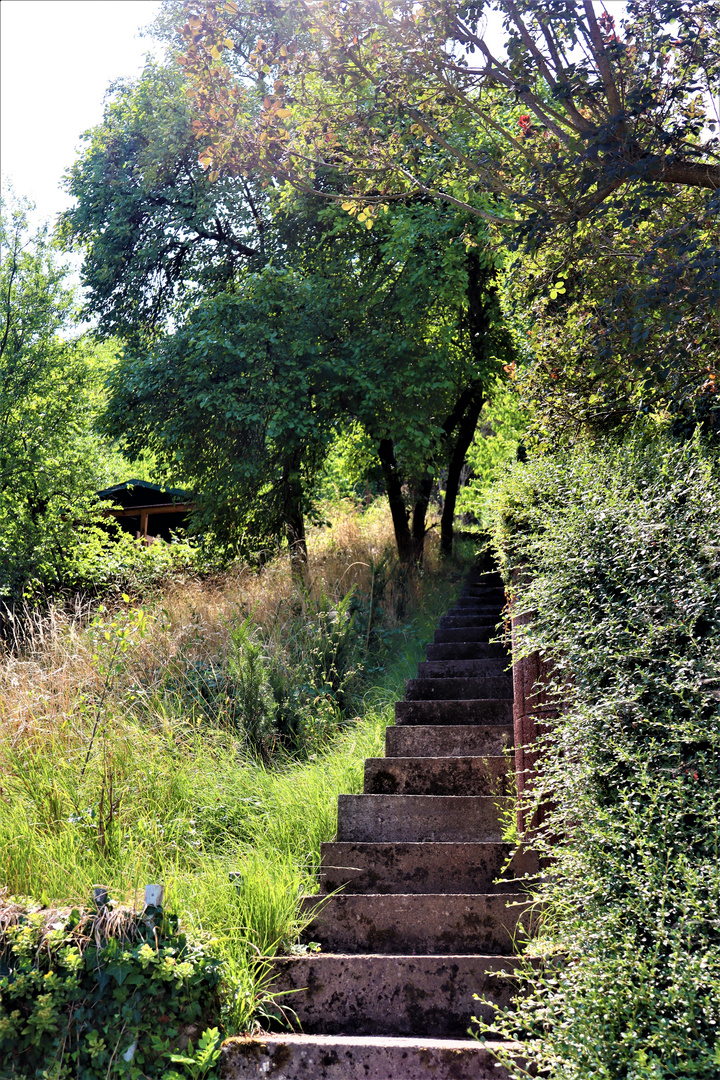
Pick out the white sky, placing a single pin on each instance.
(57, 58)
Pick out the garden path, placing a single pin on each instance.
(422, 911)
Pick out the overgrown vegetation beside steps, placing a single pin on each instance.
(178, 786)
(621, 553)
(105, 992)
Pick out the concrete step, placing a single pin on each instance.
(463, 634)
(429, 996)
(488, 596)
(453, 740)
(487, 603)
(418, 923)
(469, 650)
(423, 868)
(417, 818)
(482, 592)
(485, 619)
(465, 669)
(477, 618)
(438, 776)
(449, 689)
(372, 1057)
(481, 615)
(458, 711)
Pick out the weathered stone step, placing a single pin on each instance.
(464, 669)
(450, 689)
(418, 923)
(423, 868)
(458, 711)
(454, 740)
(429, 996)
(437, 776)
(463, 634)
(470, 605)
(479, 616)
(481, 612)
(372, 1057)
(485, 592)
(485, 619)
(469, 650)
(417, 818)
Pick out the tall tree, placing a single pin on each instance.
(394, 345)
(152, 227)
(51, 462)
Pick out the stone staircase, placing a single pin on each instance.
(416, 920)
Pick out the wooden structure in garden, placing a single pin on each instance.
(148, 511)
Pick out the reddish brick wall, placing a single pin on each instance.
(531, 710)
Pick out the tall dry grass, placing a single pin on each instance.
(50, 673)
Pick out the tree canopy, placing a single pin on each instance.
(406, 98)
(590, 145)
(151, 226)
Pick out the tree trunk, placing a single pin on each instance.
(467, 410)
(418, 519)
(457, 458)
(297, 543)
(295, 519)
(393, 485)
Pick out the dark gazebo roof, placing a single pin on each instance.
(142, 493)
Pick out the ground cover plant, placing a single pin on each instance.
(110, 990)
(619, 553)
(185, 741)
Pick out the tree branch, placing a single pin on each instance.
(611, 91)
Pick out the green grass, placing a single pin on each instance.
(181, 802)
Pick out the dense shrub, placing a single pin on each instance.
(621, 553)
(94, 994)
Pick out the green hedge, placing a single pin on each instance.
(620, 549)
(111, 993)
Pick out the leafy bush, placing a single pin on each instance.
(91, 995)
(620, 550)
